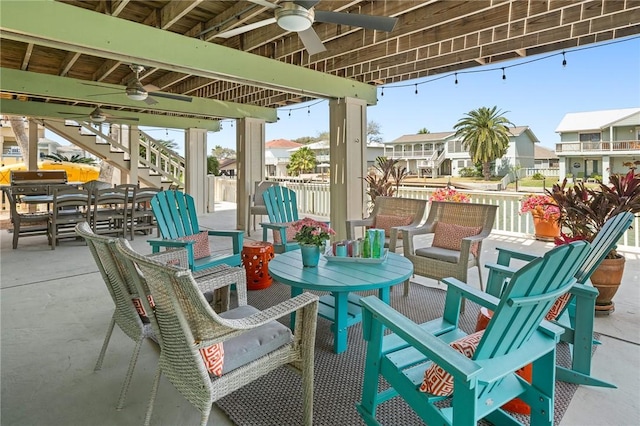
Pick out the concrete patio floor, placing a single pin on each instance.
(55, 310)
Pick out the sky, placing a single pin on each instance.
(537, 92)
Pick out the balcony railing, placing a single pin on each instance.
(596, 147)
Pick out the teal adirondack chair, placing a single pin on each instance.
(176, 216)
(577, 317)
(514, 337)
(282, 209)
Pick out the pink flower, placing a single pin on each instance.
(539, 204)
(449, 194)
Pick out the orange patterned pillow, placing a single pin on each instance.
(213, 357)
(290, 234)
(557, 307)
(449, 236)
(201, 247)
(387, 221)
(439, 382)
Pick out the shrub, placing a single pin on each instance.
(538, 176)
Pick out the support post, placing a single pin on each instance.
(348, 161)
(32, 157)
(196, 167)
(250, 138)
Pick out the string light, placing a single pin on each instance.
(382, 91)
(503, 69)
(289, 113)
(308, 110)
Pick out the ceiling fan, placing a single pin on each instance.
(137, 92)
(299, 16)
(99, 116)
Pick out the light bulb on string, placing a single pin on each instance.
(504, 76)
(382, 91)
(289, 113)
(456, 74)
(308, 110)
(564, 60)
(416, 91)
(166, 132)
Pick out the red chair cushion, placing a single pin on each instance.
(449, 236)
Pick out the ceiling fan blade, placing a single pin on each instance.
(246, 28)
(380, 23)
(150, 101)
(307, 4)
(105, 94)
(173, 96)
(265, 3)
(311, 41)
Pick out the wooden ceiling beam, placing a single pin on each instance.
(26, 57)
(68, 62)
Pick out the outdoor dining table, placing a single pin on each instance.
(341, 280)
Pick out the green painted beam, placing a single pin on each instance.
(55, 111)
(63, 26)
(52, 86)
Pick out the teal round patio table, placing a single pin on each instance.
(340, 279)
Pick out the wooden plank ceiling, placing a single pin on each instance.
(431, 37)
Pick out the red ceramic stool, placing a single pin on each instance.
(255, 259)
(515, 405)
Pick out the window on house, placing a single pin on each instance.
(461, 163)
(589, 137)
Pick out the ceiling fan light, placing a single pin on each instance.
(98, 118)
(137, 95)
(292, 17)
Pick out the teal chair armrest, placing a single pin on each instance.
(456, 290)
(237, 237)
(498, 276)
(376, 313)
(505, 256)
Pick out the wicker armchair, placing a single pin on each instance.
(125, 314)
(214, 283)
(254, 342)
(474, 221)
(392, 214)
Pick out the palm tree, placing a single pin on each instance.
(76, 158)
(485, 135)
(302, 161)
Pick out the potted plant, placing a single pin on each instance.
(311, 235)
(583, 212)
(545, 214)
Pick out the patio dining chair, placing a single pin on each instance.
(69, 207)
(576, 313)
(207, 355)
(25, 224)
(256, 202)
(450, 378)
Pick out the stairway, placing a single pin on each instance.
(156, 166)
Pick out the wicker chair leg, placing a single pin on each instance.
(204, 418)
(127, 379)
(152, 399)
(107, 338)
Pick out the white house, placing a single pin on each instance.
(277, 153)
(441, 153)
(599, 143)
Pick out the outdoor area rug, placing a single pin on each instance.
(275, 399)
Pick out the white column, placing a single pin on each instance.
(250, 135)
(606, 168)
(134, 153)
(32, 160)
(348, 140)
(195, 178)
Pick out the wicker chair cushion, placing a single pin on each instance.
(438, 253)
(290, 234)
(252, 344)
(201, 247)
(436, 380)
(387, 221)
(449, 236)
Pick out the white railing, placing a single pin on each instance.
(630, 145)
(313, 199)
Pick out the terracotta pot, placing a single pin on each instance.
(545, 229)
(606, 278)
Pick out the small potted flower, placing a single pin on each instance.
(545, 213)
(311, 235)
(449, 194)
